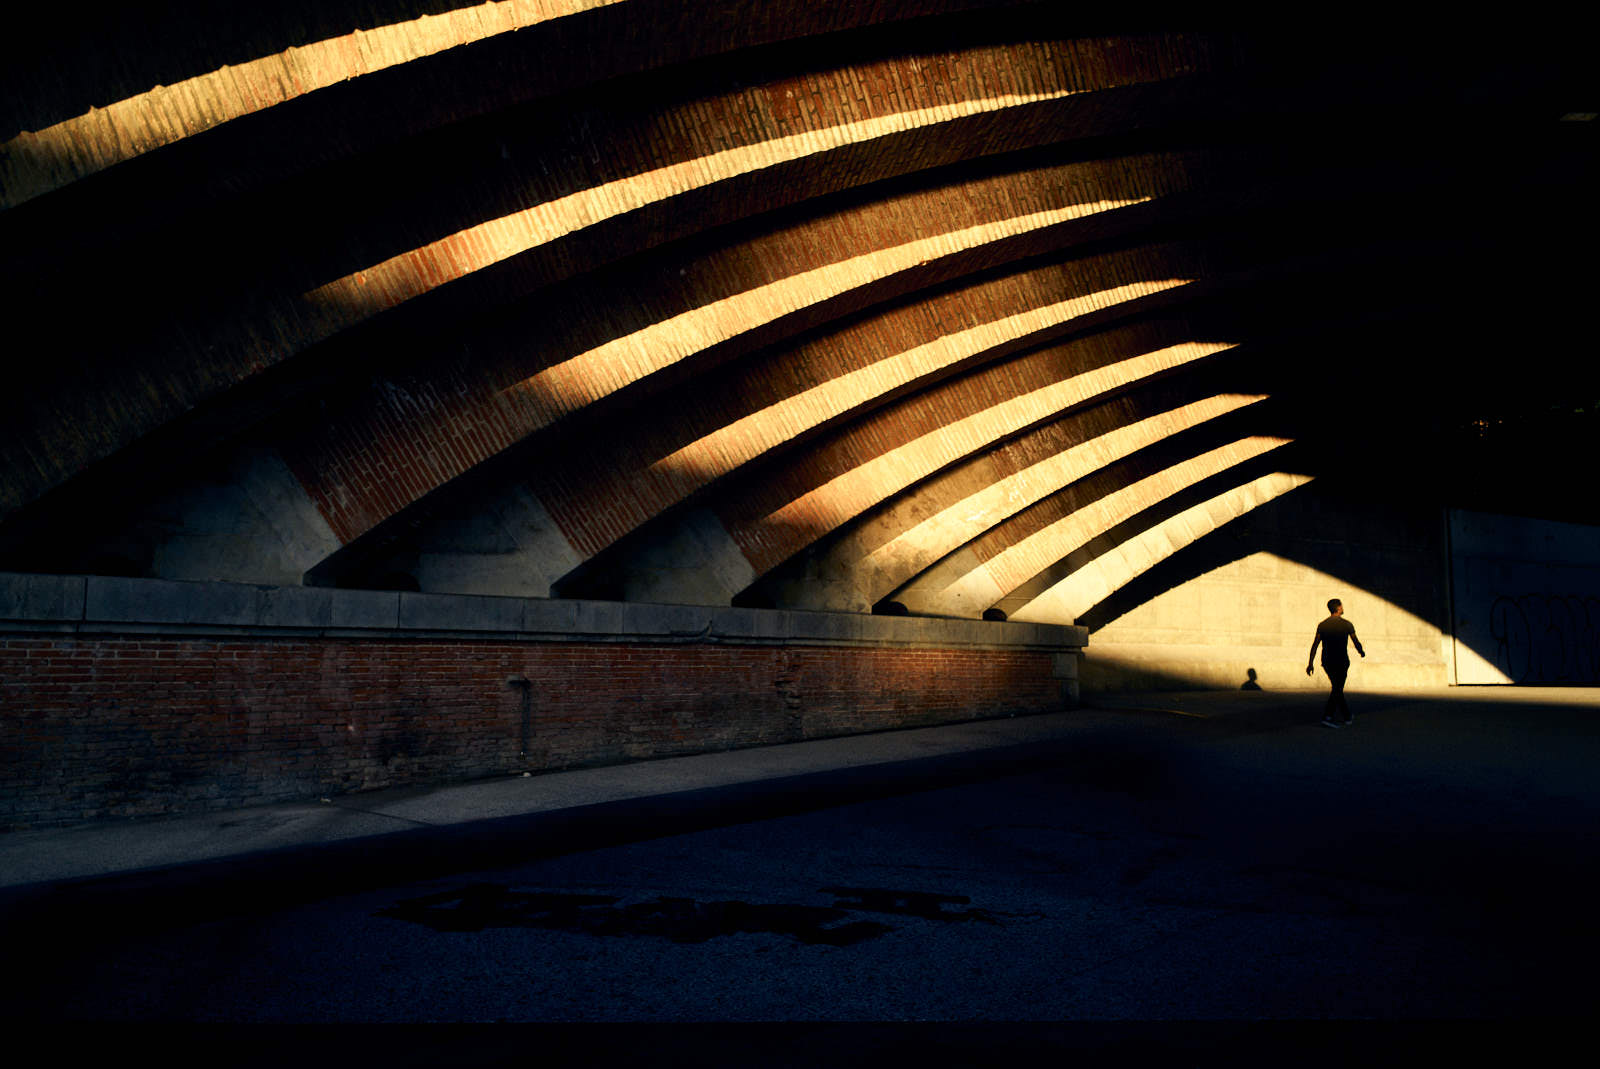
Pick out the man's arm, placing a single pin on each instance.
(1312, 656)
(1356, 642)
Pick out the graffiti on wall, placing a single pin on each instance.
(1546, 638)
(1526, 598)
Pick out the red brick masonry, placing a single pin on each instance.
(110, 726)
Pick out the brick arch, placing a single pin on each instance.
(1078, 593)
(791, 275)
(189, 75)
(706, 141)
(893, 518)
(398, 442)
(740, 133)
(988, 569)
(868, 458)
(607, 485)
(837, 480)
(878, 550)
(76, 147)
(727, 417)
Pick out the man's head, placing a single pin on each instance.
(1335, 606)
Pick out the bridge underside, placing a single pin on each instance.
(943, 308)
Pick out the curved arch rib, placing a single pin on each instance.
(996, 80)
(895, 561)
(965, 584)
(358, 486)
(272, 327)
(590, 512)
(103, 137)
(410, 274)
(1088, 586)
(789, 528)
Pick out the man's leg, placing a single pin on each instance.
(1330, 714)
(1338, 711)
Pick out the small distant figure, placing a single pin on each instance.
(1250, 684)
(1331, 635)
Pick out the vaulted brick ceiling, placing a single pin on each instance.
(946, 304)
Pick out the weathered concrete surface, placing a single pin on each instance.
(1525, 599)
(509, 545)
(691, 560)
(99, 604)
(1251, 596)
(242, 517)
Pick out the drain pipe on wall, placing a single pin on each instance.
(525, 685)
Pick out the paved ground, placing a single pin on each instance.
(1146, 864)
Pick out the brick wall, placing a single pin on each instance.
(127, 726)
(134, 717)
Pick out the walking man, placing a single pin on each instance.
(1331, 635)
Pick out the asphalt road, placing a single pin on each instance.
(1436, 862)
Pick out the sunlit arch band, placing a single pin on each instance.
(900, 558)
(102, 137)
(852, 493)
(673, 477)
(410, 274)
(588, 376)
(966, 586)
(1099, 579)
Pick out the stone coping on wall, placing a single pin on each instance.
(91, 604)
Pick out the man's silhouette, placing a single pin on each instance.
(1331, 635)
